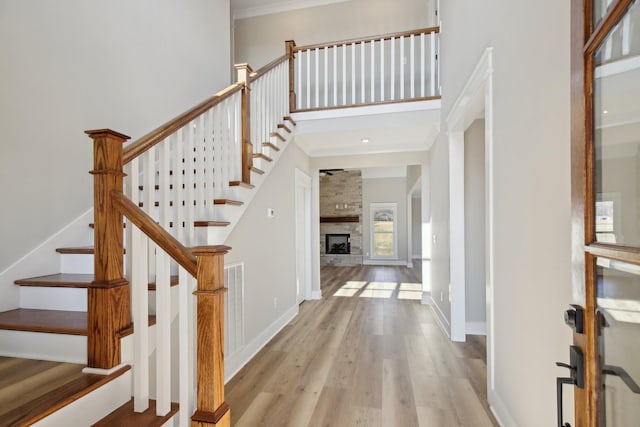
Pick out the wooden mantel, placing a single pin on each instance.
(350, 218)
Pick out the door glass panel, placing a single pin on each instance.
(616, 133)
(619, 302)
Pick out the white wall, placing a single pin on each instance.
(261, 39)
(72, 65)
(385, 190)
(474, 223)
(416, 227)
(267, 246)
(531, 190)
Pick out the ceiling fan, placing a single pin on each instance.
(330, 172)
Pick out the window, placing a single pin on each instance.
(384, 239)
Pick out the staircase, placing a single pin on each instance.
(188, 183)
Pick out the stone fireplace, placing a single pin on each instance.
(341, 218)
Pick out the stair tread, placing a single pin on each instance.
(290, 120)
(262, 156)
(279, 136)
(60, 280)
(285, 127)
(49, 321)
(271, 145)
(69, 280)
(241, 184)
(76, 250)
(211, 223)
(47, 403)
(124, 416)
(256, 170)
(227, 202)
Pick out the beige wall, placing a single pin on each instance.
(267, 245)
(385, 190)
(261, 39)
(72, 65)
(531, 190)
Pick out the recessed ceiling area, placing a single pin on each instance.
(335, 133)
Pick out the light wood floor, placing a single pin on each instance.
(367, 354)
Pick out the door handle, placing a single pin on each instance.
(574, 317)
(576, 377)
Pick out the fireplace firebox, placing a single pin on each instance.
(338, 244)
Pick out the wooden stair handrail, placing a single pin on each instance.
(388, 36)
(154, 137)
(270, 66)
(155, 232)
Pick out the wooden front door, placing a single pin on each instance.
(606, 209)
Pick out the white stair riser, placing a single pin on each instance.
(42, 298)
(92, 407)
(42, 346)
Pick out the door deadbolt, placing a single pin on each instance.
(574, 317)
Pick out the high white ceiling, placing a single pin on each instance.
(249, 8)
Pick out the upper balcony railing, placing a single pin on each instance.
(374, 70)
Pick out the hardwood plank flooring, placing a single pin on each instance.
(367, 354)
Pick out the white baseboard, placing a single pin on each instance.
(235, 362)
(476, 328)
(316, 294)
(384, 262)
(441, 319)
(499, 411)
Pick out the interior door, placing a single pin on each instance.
(606, 212)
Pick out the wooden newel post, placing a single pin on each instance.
(290, 45)
(108, 310)
(211, 408)
(244, 76)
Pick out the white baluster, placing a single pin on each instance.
(362, 72)
(163, 333)
(373, 71)
(326, 76)
(201, 194)
(402, 58)
(309, 78)
(626, 34)
(335, 75)
(422, 66)
(353, 73)
(211, 133)
(317, 77)
(382, 70)
(140, 311)
(433, 64)
(180, 159)
(149, 184)
(217, 178)
(298, 63)
(393, 68)
(344, 74)
(413, 65)
(185, 370)
(190, 180)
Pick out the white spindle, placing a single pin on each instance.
(308, 78)
(373, 71)
(626, 34)
(326, 76)
(190, 182)
(413, 65)
(382, 70)
(163, 333)
(402, 59)
(433, 64)
(200, 167)
(299, 92)
(353, 73)
(210, 120)
(335, 75)
(185, 358)
(140, 311)
(317, 77)
(344, 74)
(362, 73)
(149, 183)
(180, 159)
(393, 68)
(422, 62)
(215, 181)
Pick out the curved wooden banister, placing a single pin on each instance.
(428, 30)
(271, 65)
(138, 147)
(155, 232)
